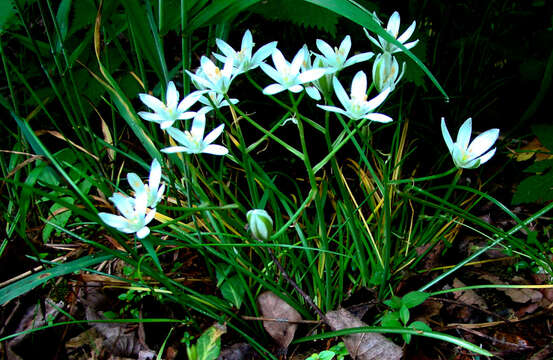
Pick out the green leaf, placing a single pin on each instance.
(391, 319)
(537, 188)
(414, 298)
(394, 302)
(60, 219)
(62, 18)
(301, 13)
(419, 325)
(30, 282)
(404, 314)
(544, 132)
(151, 251)
(233, 290)
(208, 346)
(539, 166)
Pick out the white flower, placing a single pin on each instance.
(260, 224)
(167, 114)
(287, 75)
(243, 59)
(336, 59)
(209, 76)
(193, 141)
(213, 101)
(153, 191)
(356, 106)
(134, 219)
(473, 155)
(393, 29)
(316, 86)
(386, 72)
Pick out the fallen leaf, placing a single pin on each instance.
(239, 351)
(469, 297)
(363, 346)
(517, 295)
(273, 307)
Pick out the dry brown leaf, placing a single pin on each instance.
(363, 346)
(273, 307)
(520, 296)
(469, 297)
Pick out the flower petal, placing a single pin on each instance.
(179, 136)
(155, 117)
(198, 126)
(487, 156)
(271, 72)
(155, 175)
(483, 142)
(447, 136)
(215, 150)
(359, 58)
(334, 109)
(172, 95)
(377, 100)
(311, 75)
(407, 33)
(379, 117)
(176, 149)
(214, 134)
(281, 64)
(115, 221)
(264, 52)
(152, 102)
(273, 89)
(463, 136)
(142, 233)
(393, 24)
(190, 100)
(135, 182)
(359, 85)
(325, 49)
(225, 48)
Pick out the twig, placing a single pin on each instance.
(245, 317)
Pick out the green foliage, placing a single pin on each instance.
(300, 13)
(339, 351)
(208, 345)
(537, 188)
(399, 316)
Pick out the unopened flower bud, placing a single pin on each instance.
(386, 72)
(260, 224)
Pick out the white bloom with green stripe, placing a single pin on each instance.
(260, 224)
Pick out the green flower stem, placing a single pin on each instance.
(424, 178)
(492, 244)
(267, 133)
(287, 107)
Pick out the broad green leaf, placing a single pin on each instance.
(535, 188)
(233, 290)
(62, 18)
(414, 298)
(404, 314)
(419, 325)
(30, 282)
(208, 346)
(544, 132)
(62, 215)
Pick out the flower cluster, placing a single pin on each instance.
(138, 211)
(316, 73)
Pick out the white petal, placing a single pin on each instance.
(155, 117)
(264, 52)
(334, 109)
(295, 88)
(172, 95)
(483, 142)
(313, 93)
(152, 102)
(487, 156)
(142, 233)
(341, 93)
(186, 115)
(225, 49)
(124, 204)
(281, 64)
(190, 100)
(297, 62)
(410, 44)
(178, 135)
(379, 117)
(150, 216)
(247, 40)
(271, 72)
(115, 221)
(214, 134)
(463, 136)
(447, 136)
(379, 99)
(215, 150)
(345, 46)
(155, 175)
(359, 85)
(325, 49)
(359, 58)
(135, 182)
(372, 39)
(273, 89)
(311, 75)
(141, 202)
(176, 149)
(407, 34)
(166, 124)
(393, 24)
(198, 126)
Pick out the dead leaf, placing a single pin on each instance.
(273, 307)
(517, 295)
(469, 297)
(363, 346)
(526, 152)
(239, 351)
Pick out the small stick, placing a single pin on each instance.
(245, 317)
